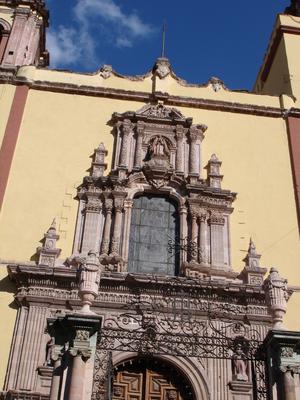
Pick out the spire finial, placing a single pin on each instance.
(163, 39)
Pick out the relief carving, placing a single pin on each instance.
(162, 67)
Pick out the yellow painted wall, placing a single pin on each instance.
(278, 80)
(58, 135)
(6, 97)
(292, 44)
(284, 75)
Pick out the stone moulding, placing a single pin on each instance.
(60, 288)
(171, 100)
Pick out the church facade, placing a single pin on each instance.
(151, 198)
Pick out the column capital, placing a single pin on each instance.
(127, 126)
(216, 218)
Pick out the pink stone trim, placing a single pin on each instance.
(10, 137)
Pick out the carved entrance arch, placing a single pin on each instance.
(147, 378)
(190, 368)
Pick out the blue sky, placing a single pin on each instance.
(226, 39)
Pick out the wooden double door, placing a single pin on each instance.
(144, 379)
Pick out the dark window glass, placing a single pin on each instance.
(154, 224)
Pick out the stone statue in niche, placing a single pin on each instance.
(159, 152)
(239, 364)
(159, 147)
(49, 346)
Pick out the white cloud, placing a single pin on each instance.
(123, 42)
(69, 45)
(62, 46)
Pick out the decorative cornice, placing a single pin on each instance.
(7, 76)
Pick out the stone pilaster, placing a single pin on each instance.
(194, 153)
(217, 222)
(107, 226)
(115, 244)
(127, 130)
(12, 53)
(203, 232)
(91, 223)
(139, 143)
(31, 348)
(179, 165)
(127, 221)
(196, 134)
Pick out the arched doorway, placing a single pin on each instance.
(150, 379)
(154, 224)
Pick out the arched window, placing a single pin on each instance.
(154, 225)
(4, 34)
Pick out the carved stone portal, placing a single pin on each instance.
(157, 152)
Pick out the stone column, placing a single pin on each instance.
(127, 129)
(217, 222)
(139, 143)
(76, 331)
(83, 327)
(183, 231)
(194, 154)
(194, 238)
(127, 221)
(91, 223)
(283, 363)
(107, 226)
(56, 357)
(203, 229)
(289, 384)
(115, 245)
(180, 149)
(76, 391)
